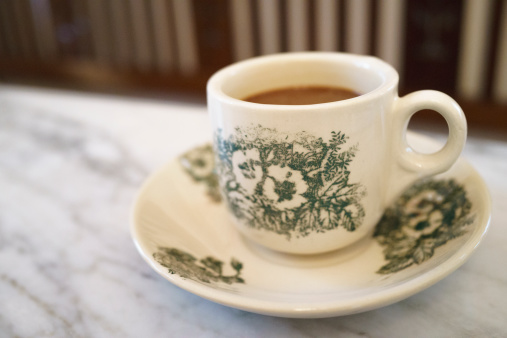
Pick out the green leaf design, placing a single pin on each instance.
(425, 217)
(236, 265)
(206, 270)
(285, 190)
(199, 163)
(395, 265)
(290, 184)
(423, 251)
(213, 264)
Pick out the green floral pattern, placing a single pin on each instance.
(199, 163)
(290, 184)
(206, 270)
(426, 216)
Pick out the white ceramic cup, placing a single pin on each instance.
(308, 179)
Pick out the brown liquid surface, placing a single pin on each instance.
(302, 95)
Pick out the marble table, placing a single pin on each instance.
(70, 165)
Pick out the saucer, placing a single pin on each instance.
(181, 228)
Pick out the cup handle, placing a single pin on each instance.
(408, 164)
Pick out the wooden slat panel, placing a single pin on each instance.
(326, 20)
(312, 25)
(500, 75)
(213, 33)
(373, 24)
(44, 29)
(163, 35)
(24, 27)
(493, 44)
(8, 26)
(121, 32)
(3, 46)
(269, 26)
(242, 32)
(474, 48)
(100, 31)
(188, 57)
(82, 29)
(390, 29)
(65, 34)
(357, 38)
(141, 31)
(297, 25)
(431, 45)
(283, 26)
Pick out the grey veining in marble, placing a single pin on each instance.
(70, 166)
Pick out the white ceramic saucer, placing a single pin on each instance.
(182, 230)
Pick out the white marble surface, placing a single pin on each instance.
(70, 165)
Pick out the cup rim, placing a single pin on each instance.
(390, 79)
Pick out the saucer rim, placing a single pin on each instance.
(336, 307)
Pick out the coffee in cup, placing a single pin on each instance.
(302, 95)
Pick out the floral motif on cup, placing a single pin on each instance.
(426, 216)
(290, 184)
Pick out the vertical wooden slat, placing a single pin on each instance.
(500, 75)
(312, 26)
(374, 10)
(283, 26)
(357, 36)
(3, 51)
(186, 39)
(100, 29)
(297, 25)
(24, 28)
(242, 32)
(213, 34)
(81, 22)
(326, 20)
(121, 32)
(340, 14)
(390, 28)
(431, 45)
(269, 26)
(173, 34)
(473, 54)
(64, 28)
(254, 10)
(141, 32)
(9, 28)
(44, 29)
(493, 46)
(162, 33)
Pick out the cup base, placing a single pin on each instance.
(309, 260)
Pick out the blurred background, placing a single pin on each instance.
(168, 48)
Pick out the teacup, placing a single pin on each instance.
(307, 179)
